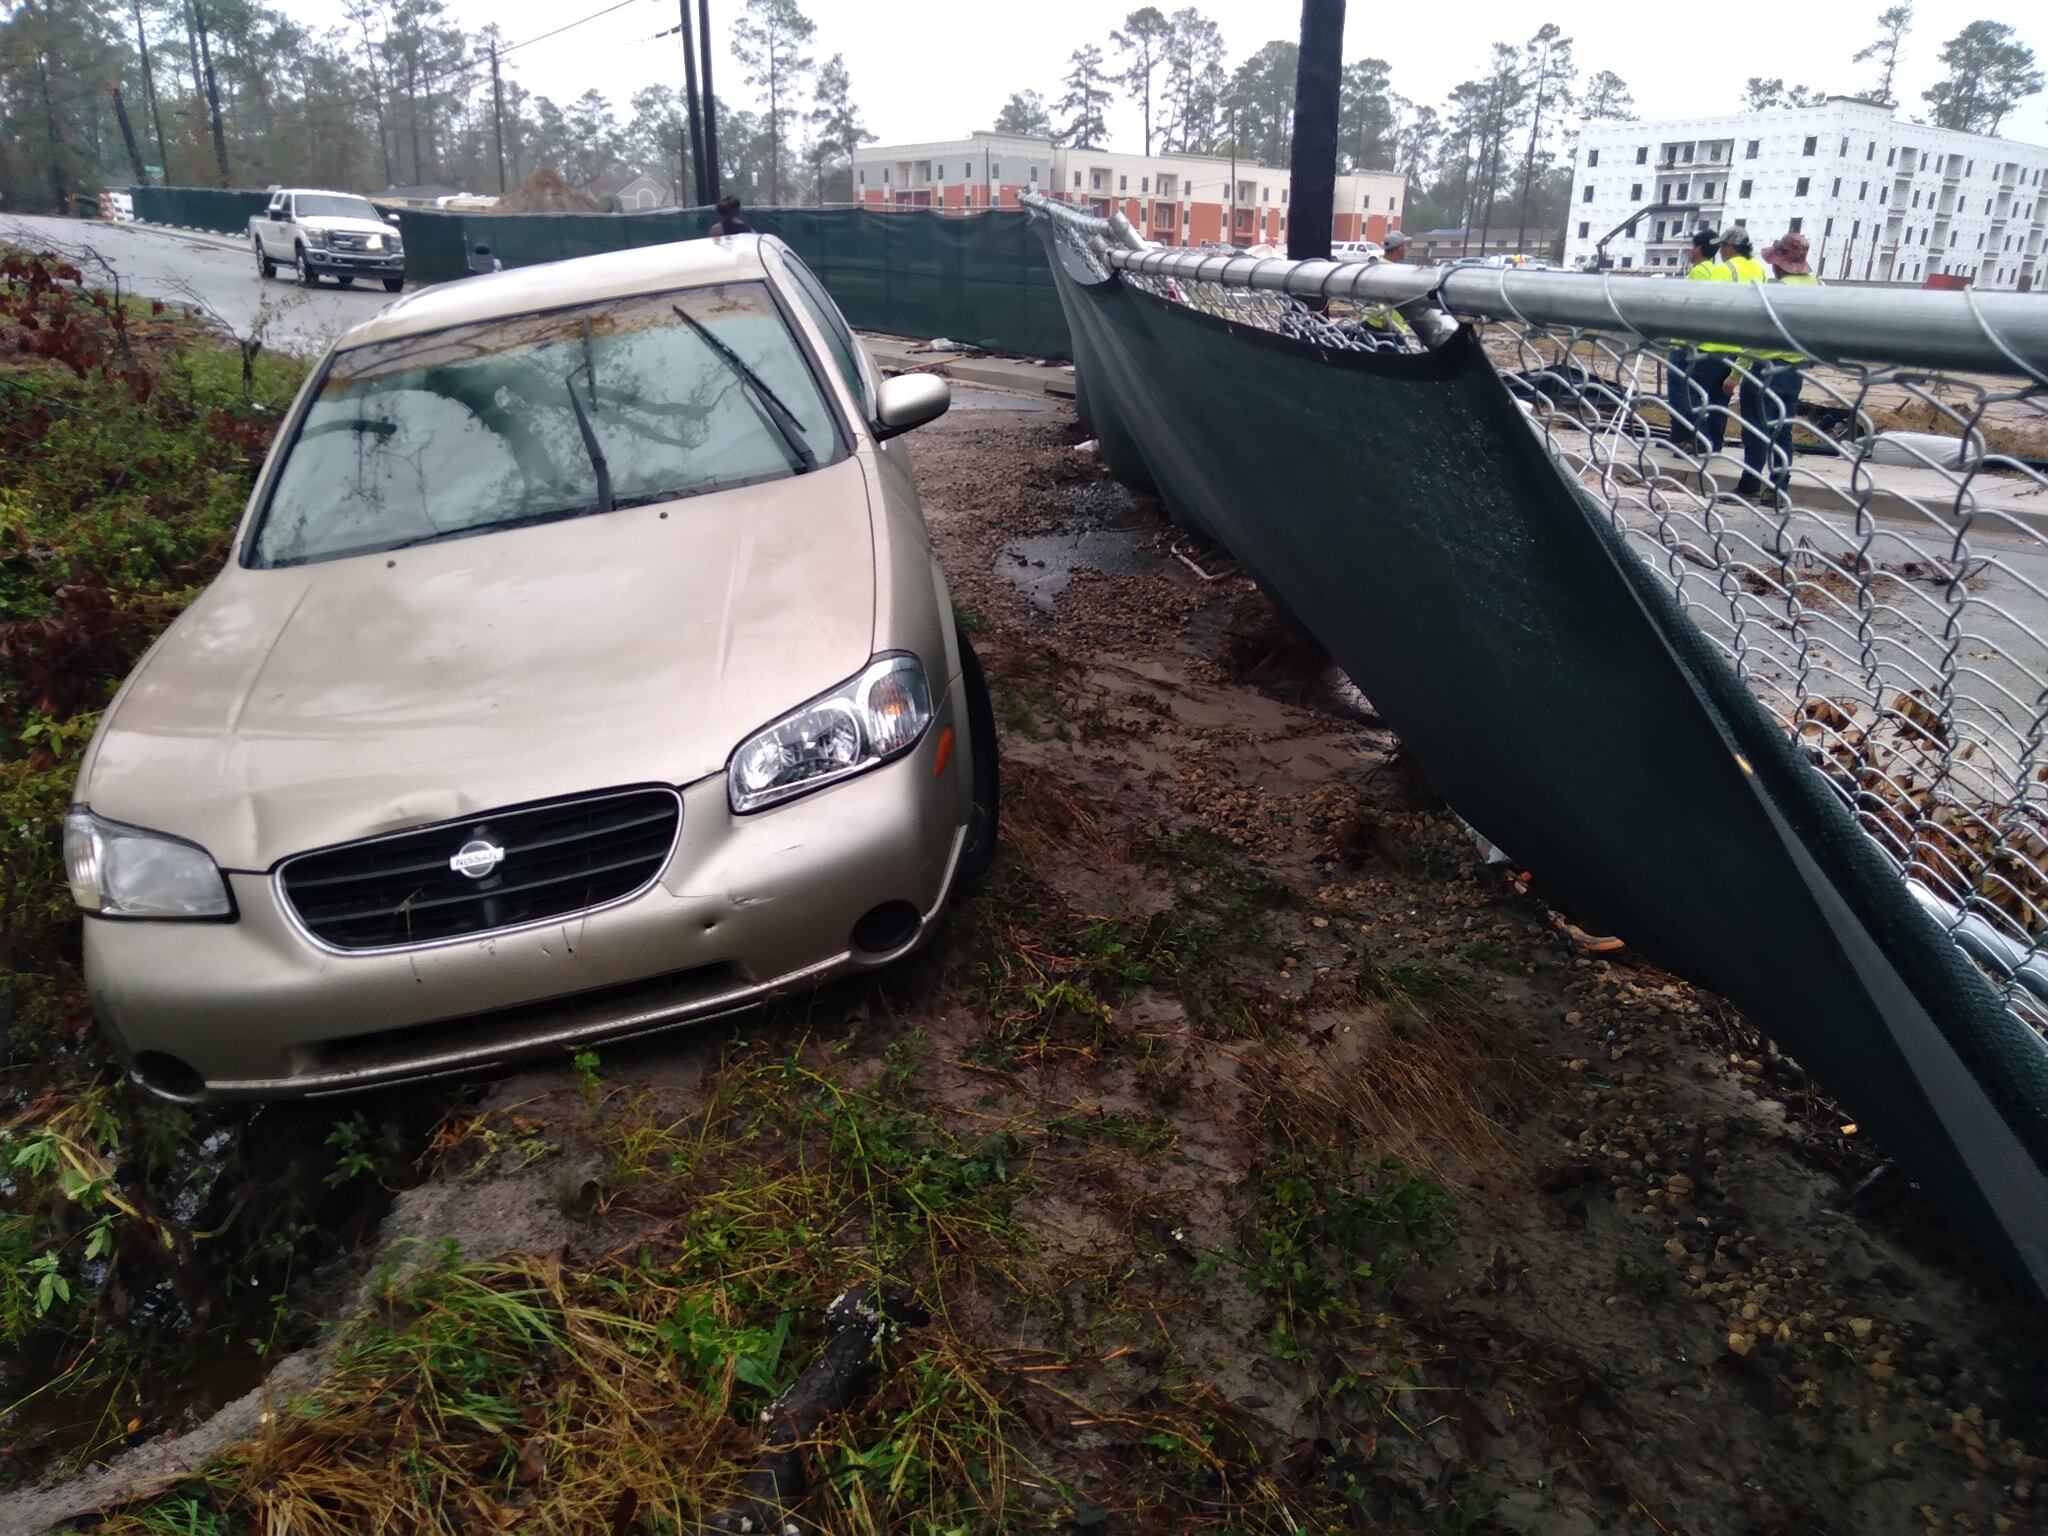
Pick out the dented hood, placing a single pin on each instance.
(290, 709)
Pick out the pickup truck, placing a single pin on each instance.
(337, 233)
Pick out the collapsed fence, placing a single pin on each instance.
(1786, 735)
(977, 278)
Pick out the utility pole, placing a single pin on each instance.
(220, 141)
(710, 105)
(1312, 160)
(1230, 235)
(690, 105)
(156, 118)
(498, 116)
(128, 136)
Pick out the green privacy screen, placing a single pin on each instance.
(1401, 507)
(222, 210)
(980, 279)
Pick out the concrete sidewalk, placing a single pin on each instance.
(899, 354)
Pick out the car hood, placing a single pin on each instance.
(294, 708)
(341, 224)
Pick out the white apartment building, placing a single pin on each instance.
(1879, 200)
(1172, 199)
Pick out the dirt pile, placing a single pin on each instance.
(546, 191)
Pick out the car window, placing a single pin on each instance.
(320, 205)
(839, 339)
(471, 429)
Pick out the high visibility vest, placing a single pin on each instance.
(1712, 270)
(1740, 269)
(1805, 280)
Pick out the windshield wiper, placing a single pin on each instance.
(765, 399)
(598, 466)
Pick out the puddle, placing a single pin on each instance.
(1042, 566)
(1105, 531)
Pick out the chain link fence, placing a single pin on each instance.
(1863, 536)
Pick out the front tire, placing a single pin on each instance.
(266, 269)
(978, 852)
(347, 280)
(308, 278)
(393, 284)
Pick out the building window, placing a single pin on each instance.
(942, 174)
(1916, 199)
(1838, 188)
(1635, 192)
(1585, 229)
(1827, 229)
(1843, 152)
(1684, 190)
(1283, 197)
(1746, 185)
(1660, 229)
(1862, 191)
(885, 175)
(1799, 190)
(861, 177)
(1265, 194)
(1855, 228)
(1891, 157)
(1628, 261)
(1797, 225)
(1749, 152)
(1870, 153)
(1812, 144)
(1592, 157)
(1707, 191)
(1643, 154)
(1123, 183)
(1034, 175)
(1077, 179)
(1631, 229)
(1144, 183)
(1588, 197)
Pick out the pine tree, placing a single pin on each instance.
(769, 41)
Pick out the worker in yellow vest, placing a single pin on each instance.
(1695, 378)
(1770, 389)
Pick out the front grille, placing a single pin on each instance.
(346, 242)
(534, 863)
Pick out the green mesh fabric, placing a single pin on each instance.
(1403, 509)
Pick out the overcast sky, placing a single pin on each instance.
(928, 70)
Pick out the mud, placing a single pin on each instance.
(1667, 1287)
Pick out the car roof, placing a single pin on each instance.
(556, 284)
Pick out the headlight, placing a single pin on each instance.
(121, 871)
(373, 242)
(859, 725)
(316, 237)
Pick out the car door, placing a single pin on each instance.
(274, 218)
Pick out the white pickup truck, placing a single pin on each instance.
(337, 233)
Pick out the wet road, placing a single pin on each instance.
(219, 278)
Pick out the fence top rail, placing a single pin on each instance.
(1996, 333)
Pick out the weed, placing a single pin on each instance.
(1416, 986)
(587, 1075)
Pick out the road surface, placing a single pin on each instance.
(206, 271)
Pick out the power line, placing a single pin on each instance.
(558, 31)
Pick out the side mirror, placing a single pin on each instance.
(910, 400)
(393, 220)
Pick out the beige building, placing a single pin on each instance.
(1172, 199)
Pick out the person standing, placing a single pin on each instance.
(1694, 376)
(729, 220)
(1770, 389)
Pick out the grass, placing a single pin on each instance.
(131, 436)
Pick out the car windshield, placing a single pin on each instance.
(532, 418)
(329, 205)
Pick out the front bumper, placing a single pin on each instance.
(375, 263)
(748, 907)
